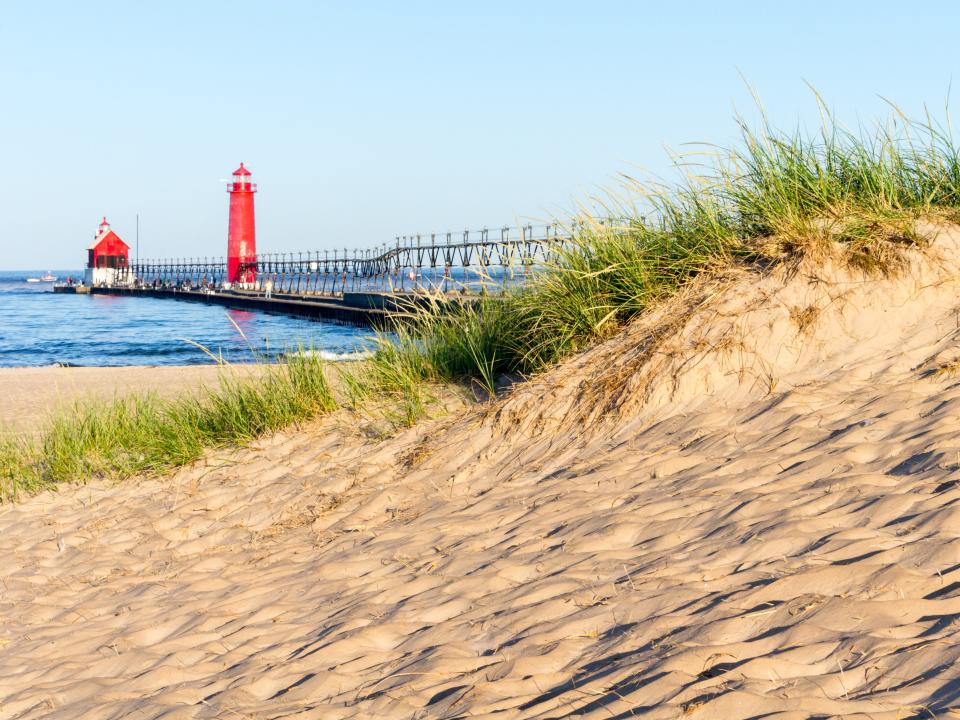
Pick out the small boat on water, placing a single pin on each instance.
(43, 278)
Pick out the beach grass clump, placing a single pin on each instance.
(431, 343)
(774, 197)
(603, 277)
(454, 339)
(145, 434)
(243, 408)
(16, 452)
(112, 439)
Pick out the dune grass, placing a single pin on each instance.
(773, 197)
(144, 434)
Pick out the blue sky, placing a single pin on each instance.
(365, 120)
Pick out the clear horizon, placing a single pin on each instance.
(368, 121)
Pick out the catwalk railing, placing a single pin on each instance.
(466, 260)
(446, 261)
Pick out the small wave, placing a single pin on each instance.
(340, 357)
(346, 357)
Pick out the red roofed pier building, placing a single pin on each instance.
(108, 259)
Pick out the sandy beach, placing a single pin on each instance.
(744, 506)
(30, 394)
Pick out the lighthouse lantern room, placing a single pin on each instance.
(108, 258)
(242, 232)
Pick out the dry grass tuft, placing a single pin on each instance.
(805, 317)
(946, 370)
(415, 455)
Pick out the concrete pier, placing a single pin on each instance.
(362, 311)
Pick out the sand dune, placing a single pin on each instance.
(744, 506)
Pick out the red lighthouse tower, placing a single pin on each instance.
(242, 233)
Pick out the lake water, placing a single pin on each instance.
(38, 327)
